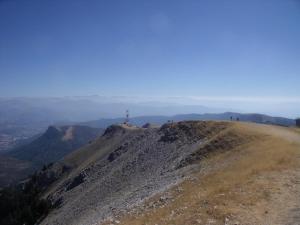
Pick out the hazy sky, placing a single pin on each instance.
(220, 49)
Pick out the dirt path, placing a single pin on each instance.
(291, 214)
(289, 181)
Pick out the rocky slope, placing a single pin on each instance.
(181, 173)
(128, 164)
(255, 182)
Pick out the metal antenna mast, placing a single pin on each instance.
(127, 117)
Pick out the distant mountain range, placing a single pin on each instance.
(141, 120)
(24, 117)
(26, 111)
(21, 118)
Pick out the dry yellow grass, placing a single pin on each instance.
(254, 183)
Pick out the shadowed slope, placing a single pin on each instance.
(55, 143)
(46, 148)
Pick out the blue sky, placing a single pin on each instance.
(220, 49)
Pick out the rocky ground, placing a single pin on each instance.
(182, 173)
(134, 164)
(254, 183)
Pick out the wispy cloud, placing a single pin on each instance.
(258, 99)
(200, 99)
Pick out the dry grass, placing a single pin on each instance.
(238, 187)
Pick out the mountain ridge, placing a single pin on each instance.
(132, 175)
(159, 120)
(128, 160)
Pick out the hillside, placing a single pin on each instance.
(254, 183)
(12, 170)
(192, 172)
(54, 144)
(46, 148)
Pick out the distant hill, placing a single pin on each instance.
(54, 144)
(141, 120)
(43, 149)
